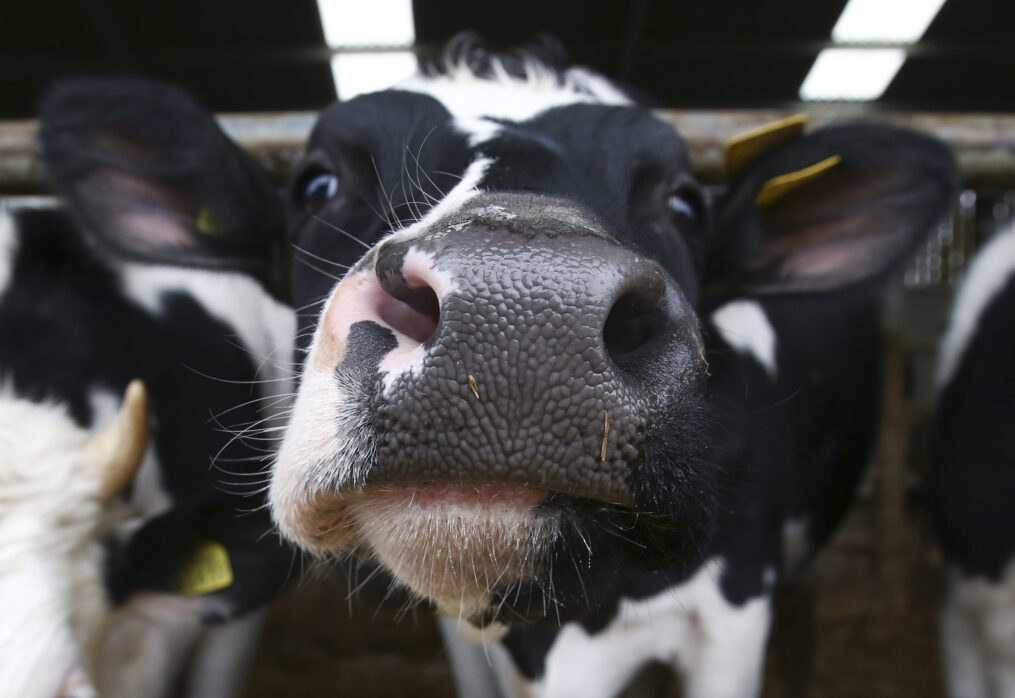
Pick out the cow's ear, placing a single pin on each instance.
(150, 176)
(840, 207)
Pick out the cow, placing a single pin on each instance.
(174, 572)
(971, 479)
(556, 389)
(58, 487)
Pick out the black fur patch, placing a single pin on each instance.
(68, 330)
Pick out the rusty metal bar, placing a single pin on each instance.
(984, 143)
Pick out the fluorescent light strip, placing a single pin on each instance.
(353, 24)
(845, 74)
(885, 21)
(359, 23)
(358, 73)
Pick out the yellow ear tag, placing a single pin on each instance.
(207, 570)
(744, 148)
(206, 221)
(777, 187)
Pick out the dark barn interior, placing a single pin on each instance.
(873, 594)
(271, 56)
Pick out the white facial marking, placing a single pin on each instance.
(322, 445)
(745, 327)
(514, 98)
(716, 647)
(478, 129)
(984, 278)
(459, 195)
(977, 631)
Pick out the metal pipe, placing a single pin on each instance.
(983, 143)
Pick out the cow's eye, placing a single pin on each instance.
(316, 187)
(684, 205)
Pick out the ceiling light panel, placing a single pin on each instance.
(362, 23)
(885, 21)
(851, 74)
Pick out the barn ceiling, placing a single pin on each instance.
(256, 55)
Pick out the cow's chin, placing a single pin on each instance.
(455, 545)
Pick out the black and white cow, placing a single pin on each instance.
(561, 394)
(81, 315)
(972, 479)
(58, 487)
(565, 397)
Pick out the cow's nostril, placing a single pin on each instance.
(410, 307)
(635, 320)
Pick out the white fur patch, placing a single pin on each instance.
(263, 325)
(478, 129)
(317, 449)
(744, 325)
(323, 441)
(984, 279)
(505, 96)
(52, 595)
(465, 190)
(978, 636)
(715, 647)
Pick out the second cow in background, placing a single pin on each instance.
(188, 556)
(971, 484)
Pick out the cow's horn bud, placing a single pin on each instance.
(116, 453)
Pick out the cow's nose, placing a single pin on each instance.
(588, 293)
(540, 348)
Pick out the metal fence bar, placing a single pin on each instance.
(984, 143)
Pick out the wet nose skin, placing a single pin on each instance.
(553, 346)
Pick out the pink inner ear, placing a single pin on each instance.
(137, 213)
(840, 228)
(151, 230)
(840, 260)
